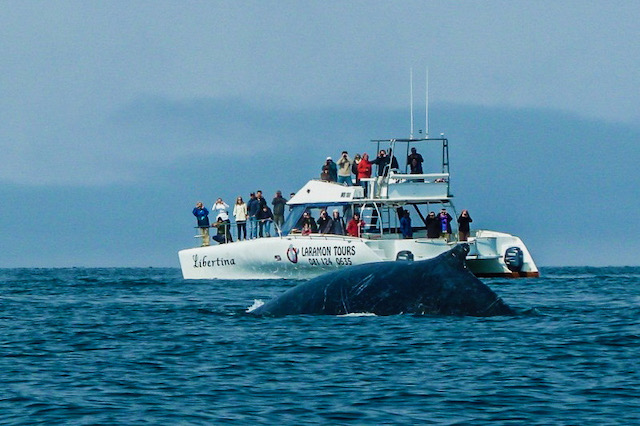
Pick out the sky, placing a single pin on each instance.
(116, 117)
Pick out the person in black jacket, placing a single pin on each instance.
(278, 209)
(324, 223)
(265, 217)
(464, 230)
(381, 161)
(433, 225)
(253, 208)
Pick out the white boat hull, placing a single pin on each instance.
(303, 257)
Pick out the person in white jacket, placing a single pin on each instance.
(220, 210)
(240, 213)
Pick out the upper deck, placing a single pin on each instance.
(395, 185)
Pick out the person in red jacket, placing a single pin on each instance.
(355, 225)
(364, 171)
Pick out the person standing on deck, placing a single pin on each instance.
(355, 226)
(202, 215)
(381, 161)
(253, 208)
(415, 168)
(344, 169)
(332, 169)
(433, 225)
(364, 171)
(265, 217)
(445, 224)
(338, 224)
(278, 203)
(220, 209)
(464, 230)
(240, 213)
(354, 168)
(405, 225)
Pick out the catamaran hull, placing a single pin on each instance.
(304, 257)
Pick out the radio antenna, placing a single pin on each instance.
(426, 117)
(411, 99)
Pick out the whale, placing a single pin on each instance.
(438, 286)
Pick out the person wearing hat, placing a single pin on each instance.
(332, 169)
(337, 227)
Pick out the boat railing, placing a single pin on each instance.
(429, 185)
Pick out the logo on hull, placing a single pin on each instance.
(292, 254)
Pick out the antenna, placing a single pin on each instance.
(426, 117)
(411, 99)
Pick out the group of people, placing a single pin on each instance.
(259, 216)
(362, 168)
(440, 226)
(326, 224)
(255, 213)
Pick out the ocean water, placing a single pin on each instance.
(130, 346)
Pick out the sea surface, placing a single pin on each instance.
(144, 346)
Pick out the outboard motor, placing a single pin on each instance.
(514, 259)
(405, 255)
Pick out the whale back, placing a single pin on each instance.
(440, 286)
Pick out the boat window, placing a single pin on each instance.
(295, 215)
(293, 222)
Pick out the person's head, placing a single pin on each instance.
(345, 153)
(443, 211)
(265, 208)
(306, 214)
(239, 200)
(382, 153)
(432, 214)
(356, 216)
(323, 213)
(259, 193)
(413, 150)
(365, 156)
(357, 157)
(329, 159)
(199, 204)
(278, 193)
(292, 194)
(465, 213)
(336, 213)
(252, 195)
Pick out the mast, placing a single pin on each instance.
(426, 117)
(411, 100)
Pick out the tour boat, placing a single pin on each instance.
(294, 255)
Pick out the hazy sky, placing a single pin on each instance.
(125, 100)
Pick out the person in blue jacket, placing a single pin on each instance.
(405, 225)
(202, 215)
(253, 209)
